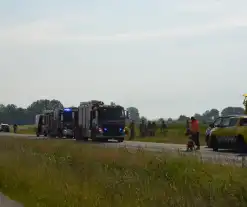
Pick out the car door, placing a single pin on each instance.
(230, 131)
(221, 132)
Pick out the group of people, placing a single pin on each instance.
(149, 130)
(146, 130)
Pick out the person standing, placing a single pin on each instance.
(142, 128)
(194, 130)
(15, 128)
(132, 130)
(153, 126)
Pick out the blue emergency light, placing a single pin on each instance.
(67, 109)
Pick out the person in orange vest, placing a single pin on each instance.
(194, 130)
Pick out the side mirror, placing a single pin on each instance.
(126, 114)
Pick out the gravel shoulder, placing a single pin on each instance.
(7, 202)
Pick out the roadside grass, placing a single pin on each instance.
(24, 129)
(70, 174)
(175, 134)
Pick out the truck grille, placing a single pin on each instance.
(109, 130)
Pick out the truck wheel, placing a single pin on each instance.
(37, 134)
(215, 144)
(241, 145)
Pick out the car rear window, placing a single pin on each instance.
(243, 122)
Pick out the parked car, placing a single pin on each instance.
(215, 125)
(4, 128)
(231, 134)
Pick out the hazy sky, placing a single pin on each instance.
(166, 57)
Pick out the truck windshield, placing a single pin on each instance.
(67, 116)
(114, 113)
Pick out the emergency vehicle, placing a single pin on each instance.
(57, 123)
(42, 121)
(98, 121)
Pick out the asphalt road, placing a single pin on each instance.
(205, 154)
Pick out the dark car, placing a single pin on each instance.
(4, 128)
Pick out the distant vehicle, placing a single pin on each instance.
(41, 124)
(4, 128)
(98, 121)
(57, 123)
(231, 133)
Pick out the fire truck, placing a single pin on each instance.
(100, 122)
(57, 123)
(42, 122)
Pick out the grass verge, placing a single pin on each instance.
(174, 134)
(69, 174)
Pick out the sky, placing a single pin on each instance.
(164, 57)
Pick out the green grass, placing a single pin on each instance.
(175, 134)
(68, 174)
(24, 129)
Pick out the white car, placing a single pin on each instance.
(4, 128)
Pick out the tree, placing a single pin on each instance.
(169, 120)
(210, 115)
(43, 104)
(144, 119)
(12, 114)
(232, 111)
(134, 114)
(182, 118)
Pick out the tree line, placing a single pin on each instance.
(13, 114)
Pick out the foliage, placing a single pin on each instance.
(134, 114)
(65, 174)
(24, 116)
(232, 111)
(12, 114)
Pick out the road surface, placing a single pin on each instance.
(7, 202)
(205, 154)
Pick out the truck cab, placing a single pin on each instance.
(98, 121)
(69, 121)
(63, 122)
(43, 122)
